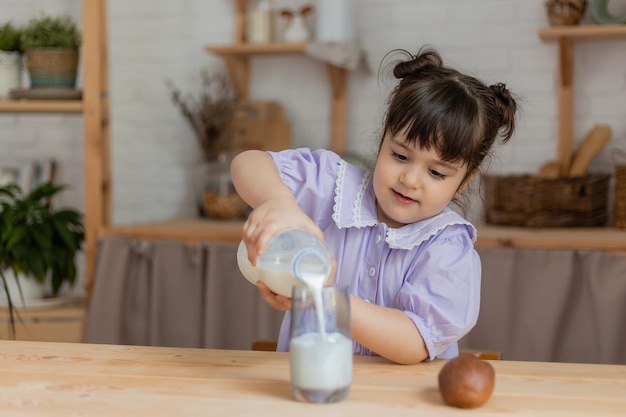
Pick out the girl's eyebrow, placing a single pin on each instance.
(445, 164)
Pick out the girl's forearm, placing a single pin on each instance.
(387, 332)
(256, 178)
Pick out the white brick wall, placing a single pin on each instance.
(153, 40)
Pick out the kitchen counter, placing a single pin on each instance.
(67, 379)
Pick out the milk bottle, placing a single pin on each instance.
(290, 252)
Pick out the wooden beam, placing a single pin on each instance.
(339, 108)
(238, 67)
(566, 104)
(94, 92)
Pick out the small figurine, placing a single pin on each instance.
(297, 29)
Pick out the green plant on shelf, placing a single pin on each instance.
(47, 31)
(37, 241)
(10, 38)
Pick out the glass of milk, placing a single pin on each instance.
(320, 348)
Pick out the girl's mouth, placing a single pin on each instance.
(402, 198)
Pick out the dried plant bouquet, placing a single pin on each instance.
(211, 113)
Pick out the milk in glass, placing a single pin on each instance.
(320, 347)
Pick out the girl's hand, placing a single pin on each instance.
(276, 301)
(270, 218)
(283, 303)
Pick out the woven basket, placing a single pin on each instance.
(619, 213)
(52, 67)
(538, 202)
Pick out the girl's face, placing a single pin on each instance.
(412, 184)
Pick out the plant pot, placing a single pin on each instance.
(31, 289)
(52, 67)
(10, 72)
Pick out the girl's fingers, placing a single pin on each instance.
(274, 300)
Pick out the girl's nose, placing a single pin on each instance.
(411, 178)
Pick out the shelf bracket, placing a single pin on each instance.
(238, 67)
(566, 100)
(339, 106)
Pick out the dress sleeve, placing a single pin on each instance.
(441, 294)
(311, 176)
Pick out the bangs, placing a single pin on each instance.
(444, 118)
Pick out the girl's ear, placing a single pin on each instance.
(466, 182)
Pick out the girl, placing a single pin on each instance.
(406, 257)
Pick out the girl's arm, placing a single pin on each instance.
(387, 331)
(258, 183)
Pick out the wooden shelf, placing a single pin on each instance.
(94, 108)
(197, 230)
(599, 238)
(60, 323)
(583, 32)
(565, 36)
(42, 106)
(237, 55)
(191, 230)
(254, 49)
(237, 59)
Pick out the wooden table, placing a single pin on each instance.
(71, 379)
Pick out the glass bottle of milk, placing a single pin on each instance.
(292, 257)
(320, 347)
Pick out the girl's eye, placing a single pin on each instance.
(437, 174)
(399, 157)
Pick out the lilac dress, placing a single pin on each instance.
(429, 270)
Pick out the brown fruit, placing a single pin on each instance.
(466, 381)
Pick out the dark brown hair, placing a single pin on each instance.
(443, 109)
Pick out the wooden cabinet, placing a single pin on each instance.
(50, 324)
(94, 108)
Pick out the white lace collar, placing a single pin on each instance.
(355, 206)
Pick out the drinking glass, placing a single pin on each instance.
(320, 347)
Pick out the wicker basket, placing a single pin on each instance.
(538, 202)
(619, 213)
(52, 67)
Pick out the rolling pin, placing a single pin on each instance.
(592, 144)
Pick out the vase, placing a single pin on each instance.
(216, 193)
(10, 72)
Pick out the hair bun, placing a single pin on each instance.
(508, 108)
(424, 60)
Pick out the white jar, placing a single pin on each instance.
(10, 72)
(261, 23)
(335, 21)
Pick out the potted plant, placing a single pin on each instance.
(10, 59)
(37, 241)
(51, 45)
(211, 115)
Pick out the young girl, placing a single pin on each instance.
(406, 257)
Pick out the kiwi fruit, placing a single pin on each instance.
(466, 381)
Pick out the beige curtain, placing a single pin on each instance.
(168, 293)
(552, 305)
(541, 305)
